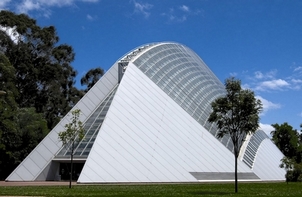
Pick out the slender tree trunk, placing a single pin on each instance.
(71, 164)
(236, 177)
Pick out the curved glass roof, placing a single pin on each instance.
(182, 75)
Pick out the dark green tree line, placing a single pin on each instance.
(44, 76)
(288, 140)
(21, 129)
(39, 81)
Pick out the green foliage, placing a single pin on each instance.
(288, 141)
(91, 77)
(43, 72)
(294, 174)
(236, 115)
(27, 129)
(73, 130)
(158, 190)
(37, 76)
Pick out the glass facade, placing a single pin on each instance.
(252, 147)
(182, 75)
(92, 126)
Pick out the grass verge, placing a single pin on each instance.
(162, 190)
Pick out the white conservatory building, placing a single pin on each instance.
(146, 121)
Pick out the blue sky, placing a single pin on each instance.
(257, 41)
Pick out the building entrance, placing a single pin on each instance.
(76, 170)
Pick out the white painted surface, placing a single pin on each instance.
(147, 137)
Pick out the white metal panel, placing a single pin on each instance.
(267, 159)
(16, 177)
(38, 160)
(50, 143)
(32, 166)
(135, 145)
(24, 173)
(91, 103)
(44, 152)
(112, 76)
(147, 129)
(97, 91)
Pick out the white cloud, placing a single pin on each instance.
(142, 8)
(89, 17)
(269, 75)
(184, 8)
(180, 14)
(28, 5)
(298, 69)
(296, 80)
(25, 6)
(233, 74)
(267, 105)
(259, 75)
(4, 4)
(276, 84)
(267, 128)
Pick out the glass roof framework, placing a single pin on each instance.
(182, 75)
(252, 147)
(92, 126)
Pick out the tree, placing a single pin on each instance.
(8, 108)
(73, 131)
(288, 140)
(236, 115)
(22, 135)
(91, 77)
(293, 169)
(44, 76)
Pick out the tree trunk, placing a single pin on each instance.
(71, 164)
(236, 177)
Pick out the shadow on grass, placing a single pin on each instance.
(210, 193)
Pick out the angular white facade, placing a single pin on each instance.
(146, 121)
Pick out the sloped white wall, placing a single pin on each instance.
(147, 137)
(267, 161)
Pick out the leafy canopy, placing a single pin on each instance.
(237, 113)
(91, 77)
(44, 76)
(73, 130)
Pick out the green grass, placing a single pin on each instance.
(162, 190)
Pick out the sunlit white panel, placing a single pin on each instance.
(119, 137)
(268, 155)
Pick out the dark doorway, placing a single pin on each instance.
(65, 168)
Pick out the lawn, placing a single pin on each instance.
(162, 190)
